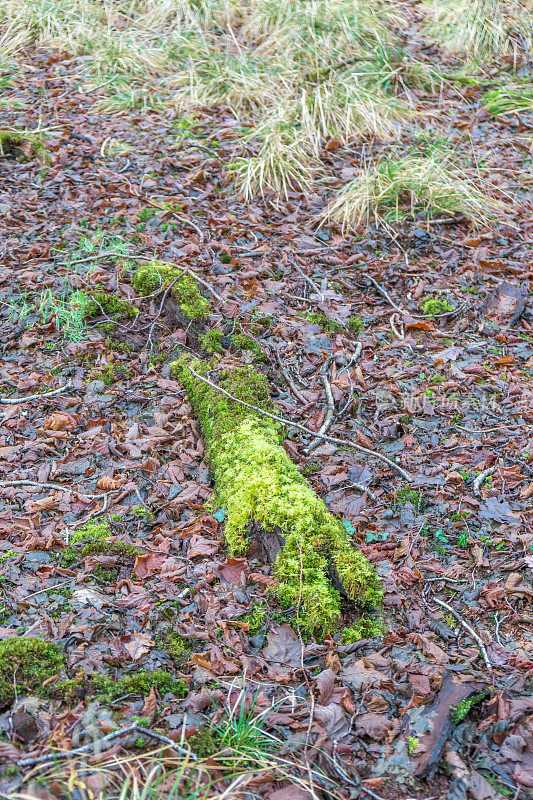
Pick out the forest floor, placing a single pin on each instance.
(195, 647)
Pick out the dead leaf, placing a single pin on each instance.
(283, 647)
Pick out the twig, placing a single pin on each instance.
(309, 280)
(289, 381)
(86, 748)
(332, 439)
(470, 630)
(166, 740)
(57, 486)
(328, 419)
(137, 193)
(17, 400)
(389, 299)
(481, 477)
(49, 589)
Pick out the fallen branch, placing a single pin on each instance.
(470, 630)
(96, 745)
(328, 419)
(480, 478)
(16, 400)
(56, 486)
(332, 439)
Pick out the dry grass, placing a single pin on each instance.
(394, 189)
(482, 29)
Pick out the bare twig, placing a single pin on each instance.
(57, 486)
(389, 300)
(16, 400)
(470, 630)
(481, 477)
(160, 738)
(328, 419)
(289, 381)
(309, 280)
(86, 748)
(332, 439)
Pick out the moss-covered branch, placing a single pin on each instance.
(257, 482)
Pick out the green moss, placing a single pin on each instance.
(460, 711)
(97, 534)
(92, 530)
(242, 342)
(150, 277)
(256, 481)
(204, 743)
(356, 324)
(14, 141)
(210, 341)
(103, 302)
(433, 306)
(255, 619)
(176, 646)
(411, 496)
(109, 688)
(363, 628)
(327, 324)
(28, 663)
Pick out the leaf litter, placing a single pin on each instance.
(376, 711)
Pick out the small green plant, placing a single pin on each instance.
(69, 315)
(462, 540)
(412, 744)
(433, 306)
(256, 619)
(356, 324)
(397, 188)
(328, 325)
(7, 554)
(460, 711)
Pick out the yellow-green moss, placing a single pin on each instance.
(363, 628)
(27, 663)
(256, 481)
(13, 141)
(109, 688)
(105, 303)
(242, 342)
(92, 530)
(210, 341)
(150, 277)
(95, 535)
(434, 306)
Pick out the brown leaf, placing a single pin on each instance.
(10, 752)
(232, 570)
(198, 546)
(150, 705)
(377, 726)
(60, 422)
(325, 682)
(283, 647)
(139, 645)
(108, 484)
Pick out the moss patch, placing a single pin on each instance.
(25, 146)
(110, 688)
(242, 342)
(363, 628)
(433, 306)
(104, 303)
(96, 536)
(27, 663)
(157, 274)
(460, 711)
(210, 342)
(256, 481)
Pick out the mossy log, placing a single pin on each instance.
(267, 498)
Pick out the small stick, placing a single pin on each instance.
(470, 630)
(289, 381)
(480, 478)
(309, 280)
(56, 486)
(15, 400)
(166, 740)
(333, 439)
(86, 748)
(328, 419)
(389, 299)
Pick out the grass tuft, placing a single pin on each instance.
(395, 189)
